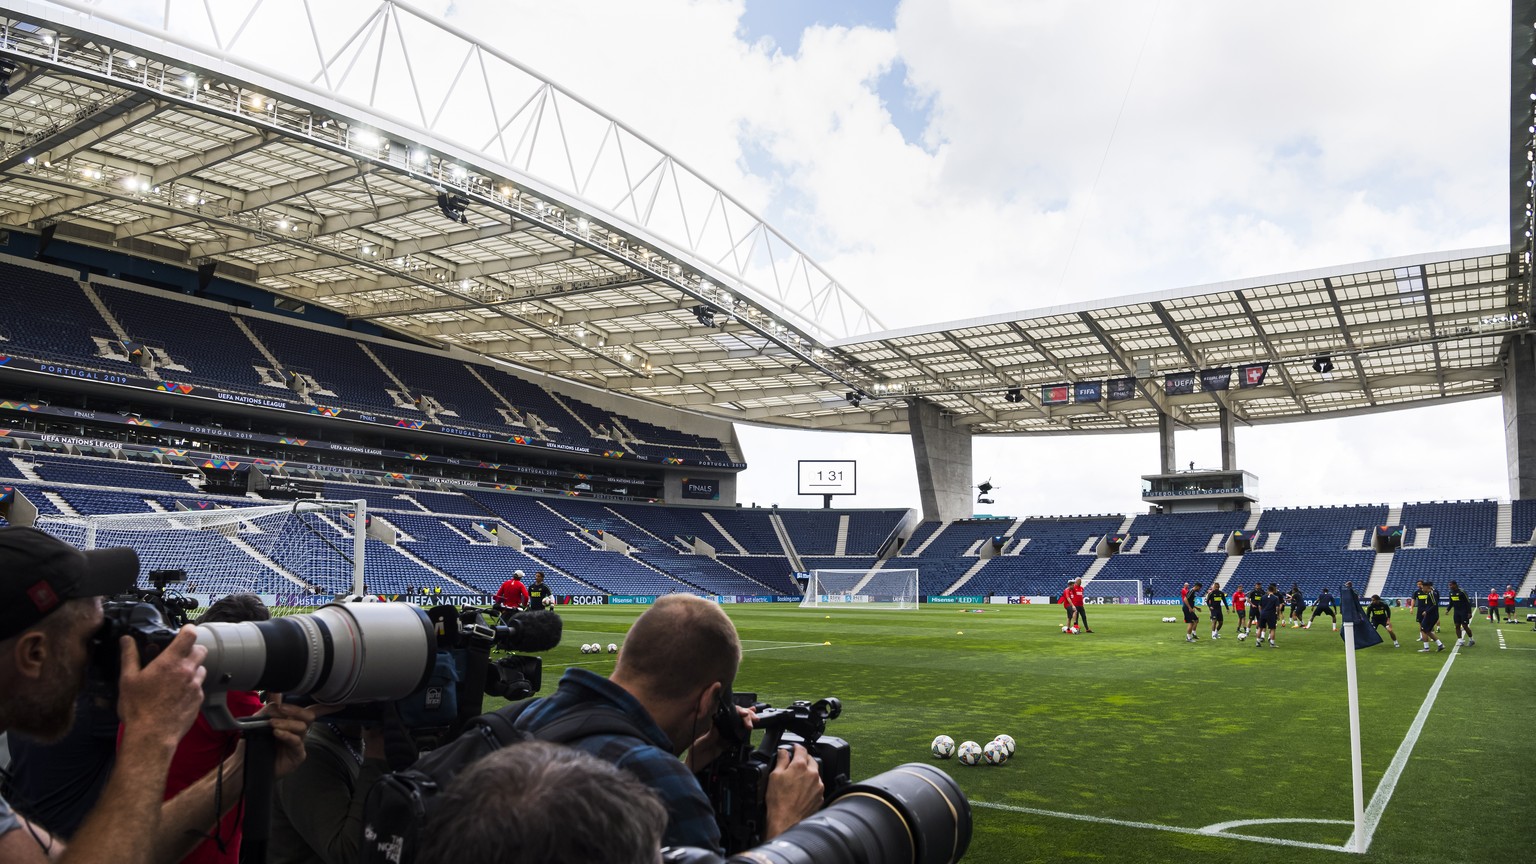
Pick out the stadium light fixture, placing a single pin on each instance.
(1323, 364)
(854, 397)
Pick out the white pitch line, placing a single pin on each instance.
(1239, 823)
(1502, 646)
(1388, 784)
(1173, 829)
(782, 647)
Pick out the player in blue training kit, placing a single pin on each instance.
(1379, 615)
(1324, 607)
(1191, 617)
(1461, 613)
(1269, 616)
(1427, 601)
(1216, 604)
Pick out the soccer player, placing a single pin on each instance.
(1240, 606)
(1297, 603)
(1379, 615)
(1420, 600)
(1461, 613)
(1324, 607)
(1216, 602)
(1493, 605)
(513, 594)
(1066, 605)
(1429, 619)
(1269, 616)
(1077, 605)
(540, 595)
(1191, 617)
(1509, 604)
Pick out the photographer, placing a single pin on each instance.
(506, 800)
(50, 606)
(204, 747)
(675, 670)
(317, 811)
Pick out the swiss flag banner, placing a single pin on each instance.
(1252, 375)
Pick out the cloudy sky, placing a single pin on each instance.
(953, 158)
(947, 159)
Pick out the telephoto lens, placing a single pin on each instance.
(341, 653)
(911, 814)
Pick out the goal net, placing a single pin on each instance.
(302, 547)
(1113, 591)
(864, 589)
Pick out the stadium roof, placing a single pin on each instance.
(392, 169)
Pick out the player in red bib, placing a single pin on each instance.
(1077, 605)
(1509, 604)
(1493, 605)
(1240, 606)
(513, 594)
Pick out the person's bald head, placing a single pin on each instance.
(679, 645)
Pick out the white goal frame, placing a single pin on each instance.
(269, 531)
(1131, 591)
(862, 589)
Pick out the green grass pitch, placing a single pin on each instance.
(1132, 725)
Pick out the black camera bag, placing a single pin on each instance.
(399, 802)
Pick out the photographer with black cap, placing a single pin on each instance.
(50, 606)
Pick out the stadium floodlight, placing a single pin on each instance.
(854, 397)
(1014, 394)
(705, 314)
(1323, 364)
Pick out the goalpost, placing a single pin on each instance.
(1114, 591)
(862, 589)
(303, 545)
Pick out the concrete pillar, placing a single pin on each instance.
(1520, 415)
(1228, 441)
(943, 455)
(1168, 459)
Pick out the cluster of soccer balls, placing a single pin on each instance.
(597, 648)
(1070, 628)
(997, 751)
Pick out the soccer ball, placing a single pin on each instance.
(1063, 628)
(586, 648)
(1241, 635)
(1167, 620)
(942, 747)
(1007, 742)
(612, 648)
(1072, 630)
(995, 753)
(970, 753)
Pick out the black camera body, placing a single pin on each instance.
(737, 781)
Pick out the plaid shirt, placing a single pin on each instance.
(691, 820)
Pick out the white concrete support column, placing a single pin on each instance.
(1520, 415)
(1228, 441)
(1167, 458)
(943, 455)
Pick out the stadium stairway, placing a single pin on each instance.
(709, 517)
(113, 324)
(789, 545)
(966, 576)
